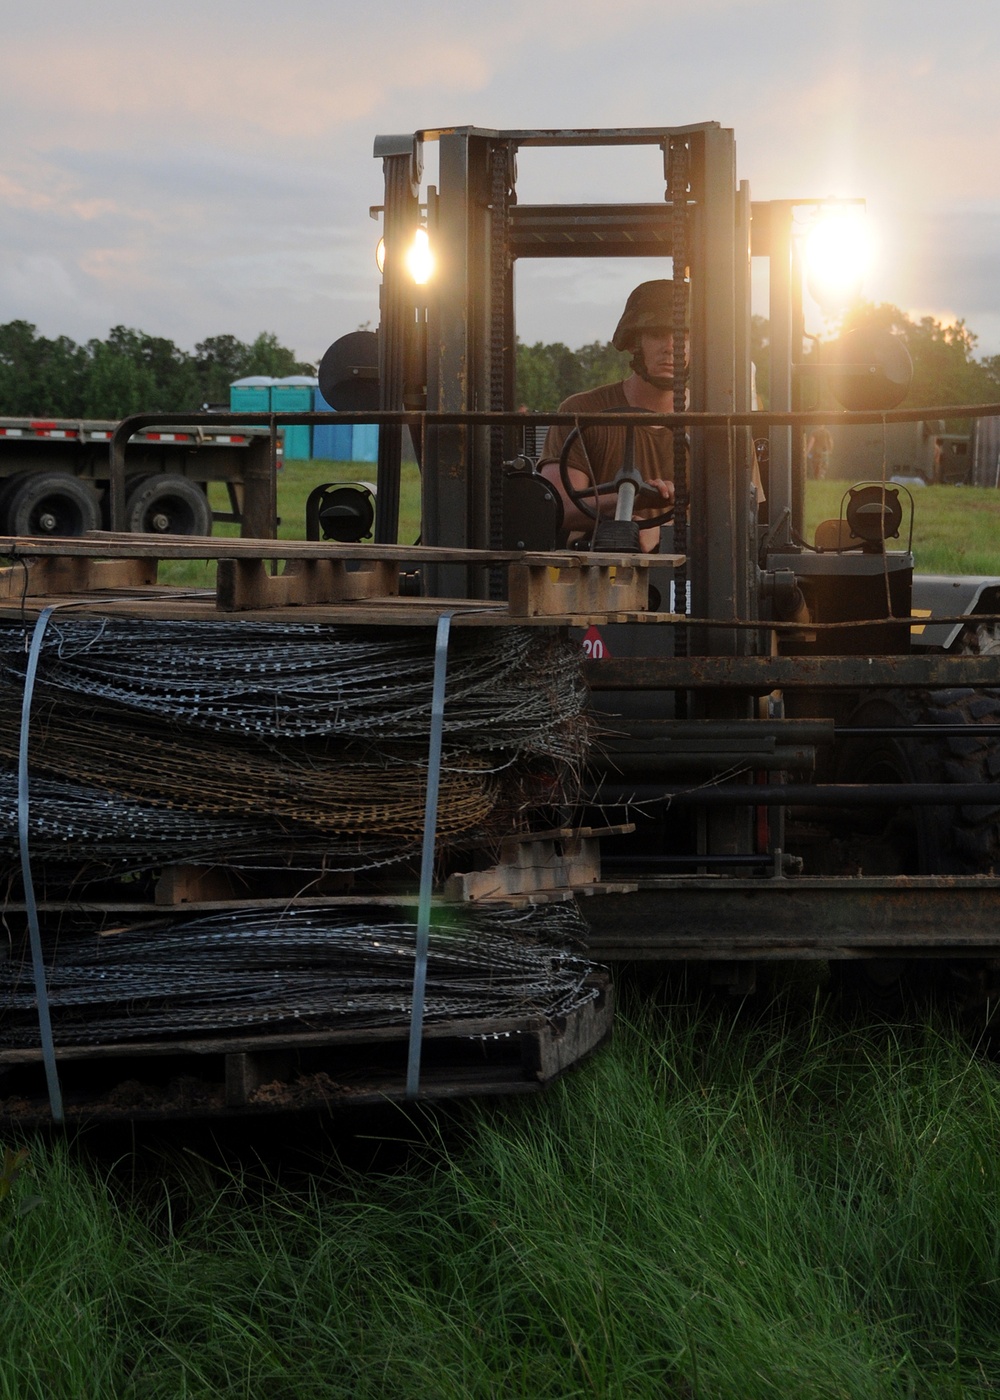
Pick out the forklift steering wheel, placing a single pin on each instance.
(606, 488)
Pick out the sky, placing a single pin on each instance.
(205, 167)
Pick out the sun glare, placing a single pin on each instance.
(838, 254)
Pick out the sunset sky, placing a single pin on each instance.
(205, 167)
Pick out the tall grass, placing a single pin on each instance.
(712, 1208)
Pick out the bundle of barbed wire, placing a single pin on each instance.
(284, 732)
(73, 823)
(303, 970)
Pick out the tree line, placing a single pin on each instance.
(945, 367)
(129, 372)
(134, 372)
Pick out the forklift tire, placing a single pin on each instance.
(53, 503)
(961, 840)
(921, 840)
(168, 504)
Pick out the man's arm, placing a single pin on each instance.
(655, 495)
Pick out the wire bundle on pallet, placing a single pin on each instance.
(302, 970)
(74, 822)
(279, 732)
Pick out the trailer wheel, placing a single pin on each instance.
(53, 503)
(168, 504)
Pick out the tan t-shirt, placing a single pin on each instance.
(605, 446)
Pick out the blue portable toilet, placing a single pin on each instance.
(332, 441)
(251, 395)
(294, 394)
(364, 447)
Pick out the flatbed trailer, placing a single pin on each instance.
(54, 473)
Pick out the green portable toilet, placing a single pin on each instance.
(294, 394)
(251, 395)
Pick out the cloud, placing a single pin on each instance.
(209, 168)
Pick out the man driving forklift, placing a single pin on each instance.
(597, 453)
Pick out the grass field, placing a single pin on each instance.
(714, 1207)
(956, 528)
(295, 481)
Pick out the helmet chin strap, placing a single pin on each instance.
(658, 381)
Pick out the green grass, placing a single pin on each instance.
(295, 481)
(956, 528)
(711, 1208)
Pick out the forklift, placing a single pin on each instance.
(800, 736)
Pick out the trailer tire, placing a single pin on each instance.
(53, 503)
(7, 488)
(168, 504)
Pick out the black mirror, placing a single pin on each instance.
(348, 373)
(869, 369)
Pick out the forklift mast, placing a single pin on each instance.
(449, 346)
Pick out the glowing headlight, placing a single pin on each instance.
(837, 255)
(418, 257)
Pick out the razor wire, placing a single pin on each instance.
(303, 970)
(72, 822)
(256, 740)
(517, 690)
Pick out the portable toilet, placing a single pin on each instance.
(294, 394)
(251, 395)
(332, 441)
(364, 446)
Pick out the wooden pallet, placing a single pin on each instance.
(553, 587)
(253, 1074)
(539, 867)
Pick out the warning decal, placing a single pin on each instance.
(594, 647)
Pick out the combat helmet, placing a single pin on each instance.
(650, 307)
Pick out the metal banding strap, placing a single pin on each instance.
(34, 934)
(427, 854)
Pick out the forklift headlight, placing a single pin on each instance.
(418, 258)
